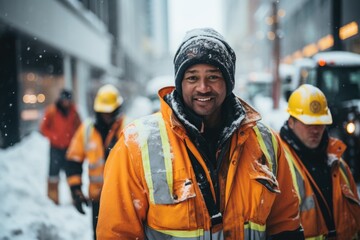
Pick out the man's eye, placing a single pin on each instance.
(191, 78)
(214, 77)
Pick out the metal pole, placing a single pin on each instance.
(276, 57)
(336, 24)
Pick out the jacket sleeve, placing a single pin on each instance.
(355, 209)
(75, 156)
(124, 203)
(284, 217)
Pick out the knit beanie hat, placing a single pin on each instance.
(206, 46)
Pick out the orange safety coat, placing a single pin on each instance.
(58, 128)
(346, 204)
(88, 144)
(128, 209)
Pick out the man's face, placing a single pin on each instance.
(204, 90)
(65, 103)
(108, 118)
(309, 135)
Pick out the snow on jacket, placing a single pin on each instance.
(59, 128)
(130, 207)
(346, 203)
(87, 144)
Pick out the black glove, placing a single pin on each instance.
(78, 198)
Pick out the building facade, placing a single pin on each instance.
(76, 44)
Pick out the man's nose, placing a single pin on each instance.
(316, 128)
(203, 85)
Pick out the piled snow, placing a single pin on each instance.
(25, 211)
(274, 118)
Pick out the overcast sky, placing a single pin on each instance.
(187, 14)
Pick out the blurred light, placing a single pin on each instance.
(29, 98)
(30, 114)
(269, 21)
(271, 36)
(30, 76)
(281, 13)
(288, 59)
(348, 30)
(321, 62)
(310, 50)
(41, 98)
(325, 42)
(350, 127)
(26, 98)
(298, 54)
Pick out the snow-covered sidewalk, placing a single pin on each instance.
(25, 210)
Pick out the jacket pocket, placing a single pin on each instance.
(180, 213)
(264, 176)
(348, 193)
(183, 190)
(264, 189)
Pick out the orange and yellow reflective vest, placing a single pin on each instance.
(150, 190)
(346, 203)
(87, 144)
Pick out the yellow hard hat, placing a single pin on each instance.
(107, 99)
(308, 104)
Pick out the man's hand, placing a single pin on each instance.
(78, 198)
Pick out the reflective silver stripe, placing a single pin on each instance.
(344, 173)
(295, 175)
(265, 137)
(53, 179)
(306, 202)
(253, 231)
(100, 162)
(96, 179)
(157, 159)
(300, 186)
(198, 234)
(88, 127)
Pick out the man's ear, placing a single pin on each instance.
(291, 122)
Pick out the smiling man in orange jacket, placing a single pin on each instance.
(203, 167)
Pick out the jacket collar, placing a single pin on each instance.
(333, 148)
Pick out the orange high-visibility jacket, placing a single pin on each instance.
(131, 208)
(87, 144)
(346, 204)
(58, 128)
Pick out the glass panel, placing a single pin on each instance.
(340, 84)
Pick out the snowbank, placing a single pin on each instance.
(25, 210)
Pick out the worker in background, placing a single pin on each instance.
(59, 124)
(92, 142)
(329, 201)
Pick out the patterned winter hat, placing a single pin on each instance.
(205, 45)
